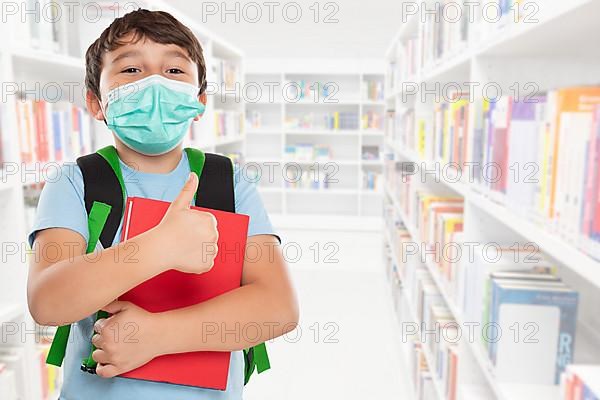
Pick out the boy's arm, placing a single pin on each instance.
(264, 307)
(65, 286)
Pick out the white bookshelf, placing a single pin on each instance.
(554, 52)
(37, 67)
(267, 141)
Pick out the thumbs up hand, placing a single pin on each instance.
(189, 236)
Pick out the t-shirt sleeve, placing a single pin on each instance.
(61, 203)
(249, 202)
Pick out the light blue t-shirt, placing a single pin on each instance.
(62, 205)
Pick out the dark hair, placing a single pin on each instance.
(158, 26)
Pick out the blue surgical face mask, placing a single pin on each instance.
(152, 116)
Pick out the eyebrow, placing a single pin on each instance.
(135, 53)
(177, 53)
(130, 53)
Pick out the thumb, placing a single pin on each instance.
(186, 195)
(115, 306)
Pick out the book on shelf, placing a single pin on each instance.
(255, 119)
(442, 35)
(537, 155)
(405, 63)
(50, 374)
(228, 123)
(372, 90)
(371, 181)
(426, 205)
(546, 148)
(45, 28)
(226, 74)
(445, 31)
(370, 152)
(371, 120)
(403, 132)
(391, 76)
(8, 383)
(544, 314)
(523, 154)
(308, 152)
(310, 179)
(333, 121)
(48, 131)
(447, 141)
(580, 382)
(14, 359)
(438, 333)
(572, 134)
(307, 91)
(422, 376)
(4, 138)
(514, 287)
(474, 275)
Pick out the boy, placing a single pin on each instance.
(155, 49)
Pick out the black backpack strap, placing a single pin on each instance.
(101, 184)
(215, 189)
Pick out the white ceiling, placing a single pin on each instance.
(365, 28)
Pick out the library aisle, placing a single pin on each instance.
(432, 168)
(348, 347)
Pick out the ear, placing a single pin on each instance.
(203, 98)
(92, 104)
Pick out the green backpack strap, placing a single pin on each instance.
(117, 195)
(96, 220)
(255, 358)
(105, 208)
(196, 159)
(261, 358)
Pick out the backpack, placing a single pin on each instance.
(105, 196)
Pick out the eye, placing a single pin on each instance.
(174, 71)
(131, 70)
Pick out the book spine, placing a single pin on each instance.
(595, 200)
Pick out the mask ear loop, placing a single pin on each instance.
(103, 113)
(103, 108)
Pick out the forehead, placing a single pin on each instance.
(131, 46)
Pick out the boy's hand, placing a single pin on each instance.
(128, 339)
(189, 236)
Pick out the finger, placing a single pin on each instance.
(215, 222)
(98, 341)
(99, 325)
(116, 306)
(186, 195)
(101, 356)
(107, 371)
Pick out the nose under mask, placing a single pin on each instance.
(152, 116)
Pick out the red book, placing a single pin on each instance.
(174, 289)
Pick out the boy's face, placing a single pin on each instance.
(134, 61)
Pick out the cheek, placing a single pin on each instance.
(106, 84)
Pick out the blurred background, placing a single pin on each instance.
(432, 168)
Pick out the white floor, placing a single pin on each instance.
(347, 344)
